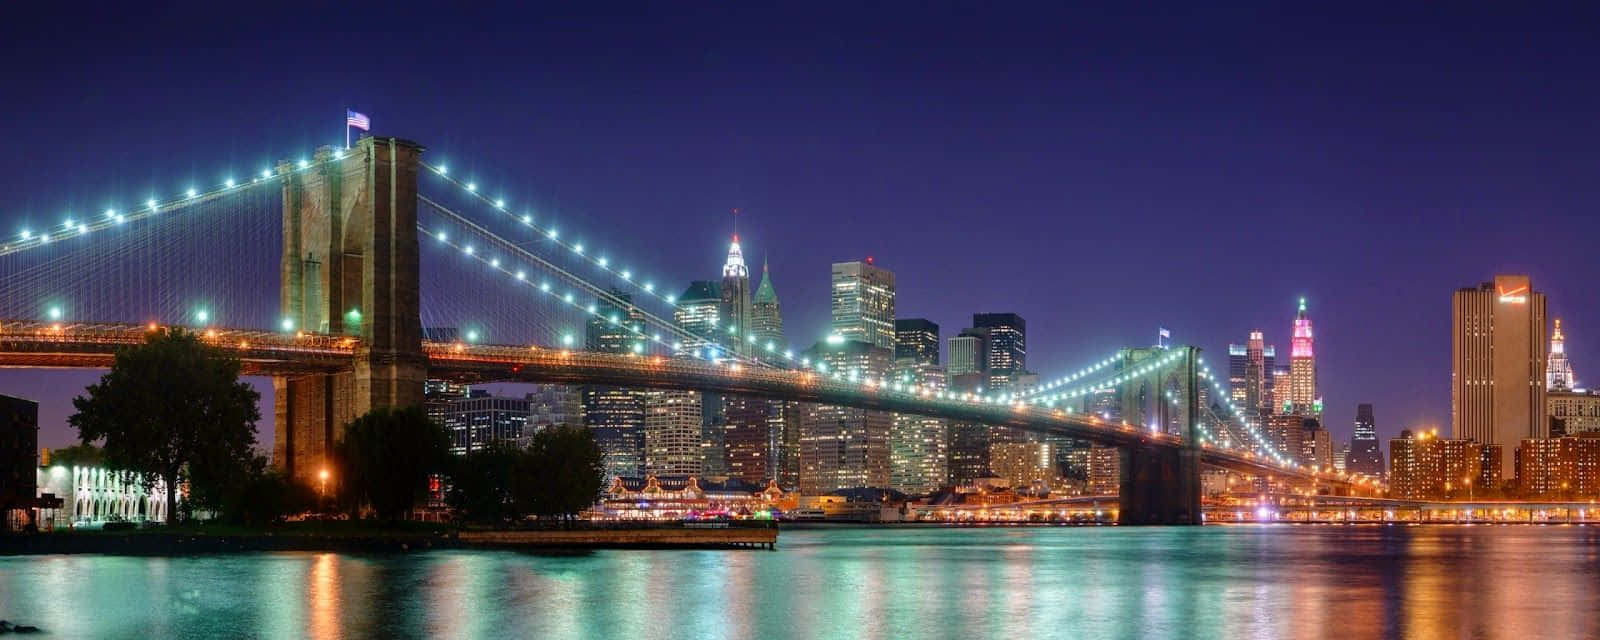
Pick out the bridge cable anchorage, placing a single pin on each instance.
(590, 289)
(577, 249)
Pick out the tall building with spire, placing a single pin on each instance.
(766, 317)
(736, 311)
(1303, 398)
(1558, 370)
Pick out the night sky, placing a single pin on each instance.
(1103, 172)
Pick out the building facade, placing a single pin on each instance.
(845, 447)
(916, 341)
(1366, 452)
(477, 421)
(672, 433)
(19, 450)
(1566, 468)
(1005, 347)
(966, 354)
(862, 303)
(1497, 392)
(1573, 412)
(699, 312)
(736, 302)
(1558, 374)
(766, 314)
(1303, 398)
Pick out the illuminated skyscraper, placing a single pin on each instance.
(916, 341)
(1497, 393)
(1303, 398)
(615, 415)
(699, 311)
(736, 309)
(766, 318)
(844, 447)
(1366, 452)
(672, 433)
(1006, 350)
(862, 303)
(1250, 380)
(966, 354)
(1558, 372)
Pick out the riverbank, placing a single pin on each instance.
(353, 537)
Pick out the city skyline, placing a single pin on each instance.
(1383, 301)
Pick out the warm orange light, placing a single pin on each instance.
(323, 474)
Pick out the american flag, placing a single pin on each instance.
(357, 120)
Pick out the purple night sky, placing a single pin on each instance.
(1103, 172)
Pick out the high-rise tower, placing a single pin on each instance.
(1497, 393)
(1558, 371)
(863, 303)
(1250, 374)
(1007, 346)
(736, 310)
(1303, 398)
(1366, 453)
(766, 318)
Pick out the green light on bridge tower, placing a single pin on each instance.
(202, 316)
(54, 313)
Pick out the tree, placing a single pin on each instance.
(565, 473)
(481, 483)
(385, 458)
(78, 455)
(169, 403)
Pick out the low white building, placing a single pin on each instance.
(92, 496)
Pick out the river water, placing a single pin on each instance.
(1278, 581)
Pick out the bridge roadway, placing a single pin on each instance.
(67, 345)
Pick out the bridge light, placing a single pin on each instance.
(578, 249)
(443, 170)
(83, 228)
(626, 274)
(472, 187)
(649, 288)
(228, 183)
(522, 275)
(443, 236)
(55, 313)
(305, 164)
(638, 347)
(568, 298)
(494, 262)
(111, 213)
(287, 324)
(190, 193)
(672, 299)
(203, 316)
(500, 204)
(44, 238)
(552, 234)
(26, 234)
(545, 287)
(467, 249)
(566, 339)
(527, 219)
(68, 224)
(266, 174)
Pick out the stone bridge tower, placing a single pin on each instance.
(350, 266)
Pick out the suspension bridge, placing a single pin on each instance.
(349, 232)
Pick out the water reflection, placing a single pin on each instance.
(1213, 582)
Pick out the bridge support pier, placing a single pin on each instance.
(350, 267)
(1159, 485)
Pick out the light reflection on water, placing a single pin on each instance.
(1211, 582)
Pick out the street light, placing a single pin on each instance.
(323, 475)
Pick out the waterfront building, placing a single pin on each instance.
(1414, 466)
(1005, 347)
(476, 421)
(1105, 471)
(1566, 468)
(754, 438)
(845, 447)
(680, 497)
(19, 450)
(862, 303)
(1026, 465)
(1573, 411)
(672, 431)
(1489, 467)
(736, 303)
(1303, 398)
(1498, 363)
(766, 315)
(94, 495)
(1366, 452)
(1558, 374)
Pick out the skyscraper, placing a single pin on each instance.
(699, 312)
(919, 454)
(1558, 372)
(1497, 388)
(862, 302)
(615, 415)
(672, 433)
(1366, 452)
(1250, 377)
(844, 447)
(736, 305)
(1006, 350)
(966, 354)
(916, 341)
(766, 317)
(1303, 398)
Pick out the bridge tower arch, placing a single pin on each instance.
(1161, 484)
(349, 266)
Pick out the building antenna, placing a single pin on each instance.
(735, 224)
